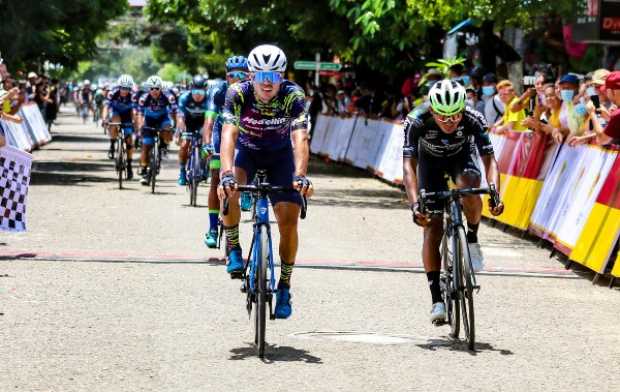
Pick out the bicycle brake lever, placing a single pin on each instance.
(225, 209)
(304, 207)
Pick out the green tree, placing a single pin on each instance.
(61, 31)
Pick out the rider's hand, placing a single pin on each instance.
(228, 185)
(303, 185)
(206, 151)
(496, 206)
(419, 218)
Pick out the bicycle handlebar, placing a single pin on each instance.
(457, 193)
(268, 188)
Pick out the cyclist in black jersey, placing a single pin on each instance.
(441, 143)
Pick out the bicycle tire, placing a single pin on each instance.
(467, 292)
(261, 291)
(450, 290)
(154, 158)
(194, 179)
(120, 164)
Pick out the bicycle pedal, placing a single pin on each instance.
(439, 323)
(243, 288)
(236, 275)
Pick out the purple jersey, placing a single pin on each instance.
(118, 103)
(265, 126)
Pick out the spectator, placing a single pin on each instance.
(573, 113)
(493, 105)
(514, 112)
(611, 133)
(343, 102)
(473, 101)
(31, 86)
(546, 118)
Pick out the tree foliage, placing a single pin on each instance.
(61, 31)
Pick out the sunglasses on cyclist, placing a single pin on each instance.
(198, 91)
(125, 89)
(448, 119)
(268, 76)
(237, 75)
(155, 89)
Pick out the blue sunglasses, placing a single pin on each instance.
(198, 92)
(268, 76)
(237, 75)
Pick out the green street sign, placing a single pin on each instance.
(311, 66)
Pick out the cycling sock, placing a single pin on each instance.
(286, 270)
(433, 283)
(472, 232)
(214, 215)
(232, 238)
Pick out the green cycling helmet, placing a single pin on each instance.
(447, 97)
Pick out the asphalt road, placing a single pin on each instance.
(113, 290)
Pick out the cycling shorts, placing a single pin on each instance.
(158, 121)
(280, 167)
(434, 173)
(214, 163)
(125, 116)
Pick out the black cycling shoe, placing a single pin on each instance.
(129, 173)
(110, 154)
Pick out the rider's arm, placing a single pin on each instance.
(410, 158)
(299, 134)
(231, 114)
(478, 126)
(210, 117)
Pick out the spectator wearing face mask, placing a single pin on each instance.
(493, 106)
(573, 113)
(514, 112)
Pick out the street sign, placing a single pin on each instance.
(312, 65)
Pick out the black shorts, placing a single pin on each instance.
(434, 173)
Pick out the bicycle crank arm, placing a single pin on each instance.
(272, 315)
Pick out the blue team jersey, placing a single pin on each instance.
(265, 126)
(188, 107)
(119, 104)
(216, 98)
(166, 103)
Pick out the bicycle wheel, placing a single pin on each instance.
(154, 164)
(260, 314)
(450, 292)
(195, 165)
(467, 290)
(120, 161)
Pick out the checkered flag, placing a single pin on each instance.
(14, 179)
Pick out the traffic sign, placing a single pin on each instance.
(312, 65)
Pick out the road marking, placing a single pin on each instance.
(360, 337)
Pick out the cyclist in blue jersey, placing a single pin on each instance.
(191, 120)
(262, 117)
(155, 109)
(236, 71)
(119, 104)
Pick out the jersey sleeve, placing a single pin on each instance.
(213, 106)
(411, 127)
(480, 130)
(182, 105)
(232, 105)
(172, 103)
(295, 105)
(142, 102)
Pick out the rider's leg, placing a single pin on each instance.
(183, 155)
(114, 130)
(472, 205)
(231, 227)
(287, 215)
(214, 205)
(433, 234)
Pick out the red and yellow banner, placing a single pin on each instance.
(602, 228)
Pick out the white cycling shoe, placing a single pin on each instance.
(438, 313)
(477, 260)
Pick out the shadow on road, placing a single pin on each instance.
(460, 346)
(317, 167)
(18, 256)
(274, 354)
(78, 138)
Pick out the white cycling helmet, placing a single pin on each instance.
(267, 58)
(87, 82)
(447, 97)
(125, 81)
(154, 82)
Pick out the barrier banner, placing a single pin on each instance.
(33, 120)
(366, 142)
(556, 189)
(616, 270)
(16, 135)
(390, 165)
(602, 226)
(320, 134)
(591, 175)
(15, 168)
(520, 158)
(339, 137)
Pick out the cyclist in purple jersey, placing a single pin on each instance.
(262, 117)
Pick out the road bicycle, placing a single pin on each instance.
(155, 157)
(458, 280)
(195, 172)
(258, 275)
(120, 160)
